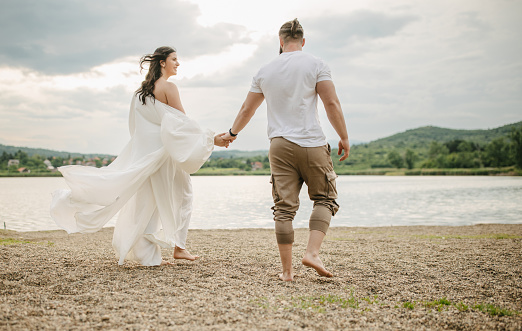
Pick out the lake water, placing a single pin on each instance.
(230, 202)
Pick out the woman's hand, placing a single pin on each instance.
(220, 141)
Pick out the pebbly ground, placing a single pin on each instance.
(414, 277)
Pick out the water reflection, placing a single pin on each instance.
(245, 201)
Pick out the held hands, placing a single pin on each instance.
(344, 144)
(223, 139)
(228, 137)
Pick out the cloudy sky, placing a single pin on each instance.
(68, 68)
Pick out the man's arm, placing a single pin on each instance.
(326, 91)
(248, 109)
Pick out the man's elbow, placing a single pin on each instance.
(247, 110)
(332, 104)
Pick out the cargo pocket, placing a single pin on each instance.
(331, 189)
(275, 195)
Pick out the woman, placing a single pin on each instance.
(149, 181)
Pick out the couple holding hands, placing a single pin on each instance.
(149, 182)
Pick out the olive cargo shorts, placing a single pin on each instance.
(291, 165)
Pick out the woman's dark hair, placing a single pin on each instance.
(147, 86)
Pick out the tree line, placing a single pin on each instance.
(500, 152)
(503, 151)
(242, 163)
(36, 161)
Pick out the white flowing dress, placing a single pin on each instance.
(149, 182)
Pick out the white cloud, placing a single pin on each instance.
(69, 68)
(55, 36)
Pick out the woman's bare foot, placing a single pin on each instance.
(180, 253)
(163, 262)
(286, 277)
(315, 262)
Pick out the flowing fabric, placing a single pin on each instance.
(149, 182)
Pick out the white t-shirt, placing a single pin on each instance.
(288, 85)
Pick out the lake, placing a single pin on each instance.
(231, 202)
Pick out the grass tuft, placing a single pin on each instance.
(461, 306)
(408, 305)
(323, 303)
(370, 300)
(479, 236)
(440, 304)
(493, 310)
(12, 241)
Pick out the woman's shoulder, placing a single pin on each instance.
(164, 85)
(164, 91)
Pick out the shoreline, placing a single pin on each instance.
(397, 277)
(506, 171)
(4, 232)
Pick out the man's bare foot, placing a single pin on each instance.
(184, 254)
(163, 262)
(286, 277)
(316, 263)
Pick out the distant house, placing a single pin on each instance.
(24, 170)
(13, 163)
(90, 164)
(49, 165)
(257, 165)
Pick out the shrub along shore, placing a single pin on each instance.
(422, 151)
(506, 171)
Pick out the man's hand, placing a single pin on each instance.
(344, 144)
(226, 136)
(220, 141)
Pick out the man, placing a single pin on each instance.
(298, 148)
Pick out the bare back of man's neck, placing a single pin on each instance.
(292, 47)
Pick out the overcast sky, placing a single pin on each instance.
(68, 68)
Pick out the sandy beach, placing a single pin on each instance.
(413, 277)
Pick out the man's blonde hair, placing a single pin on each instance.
(291, 31)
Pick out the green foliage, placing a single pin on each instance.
(243, 163)
(35, 163)
(465, 154)
(479, 236)
(47, 153)
(12, 241)
(461, 306)
(440, 304)
(493, 310)
(422, 137)
(395, 159)
(371, 301)
(320, 303)
(436, 148)
(497, 153)
(424, 151)
(444, 304)
(410, 158)
(516, 138)
(408, 305)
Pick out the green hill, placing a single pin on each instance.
(422, 137)
(414, 138)
(375, 154)
(232, 154)
(46, 152)
(482, 149)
